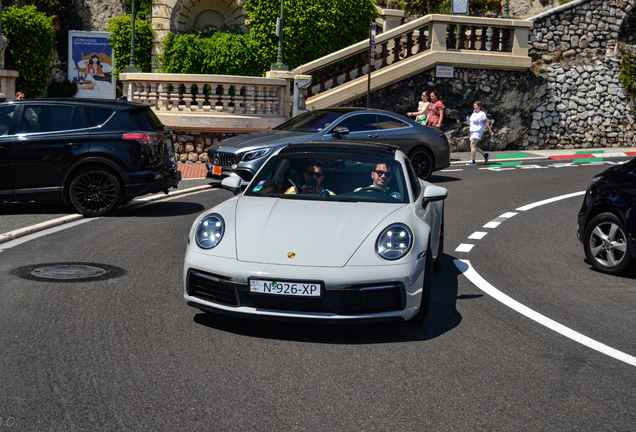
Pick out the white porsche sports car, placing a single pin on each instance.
(325, 231)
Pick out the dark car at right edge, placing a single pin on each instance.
(607, 219)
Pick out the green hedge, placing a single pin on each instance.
(30, 55)
(312, 28)
(120, 28)
(221, 53)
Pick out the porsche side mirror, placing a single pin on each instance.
(233, 184)
(340, 130)
(434, 193)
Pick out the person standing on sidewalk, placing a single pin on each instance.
(478, 122)
(422, 109)
(435, 111)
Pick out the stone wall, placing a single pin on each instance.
(509, 99)
(192, 146)
(578, 51)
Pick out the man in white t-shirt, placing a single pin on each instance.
(478, 122)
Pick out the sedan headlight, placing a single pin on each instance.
(394, 242)
(210, 231)
(256, 154)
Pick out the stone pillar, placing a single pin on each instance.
(438, 36)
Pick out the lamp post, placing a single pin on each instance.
(279, 65)
(506, 10)
(132, 67)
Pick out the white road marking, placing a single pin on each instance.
(508, 215)
(467, 269)
(464, 247)
(26, 238)
(451, 170)
(477, 235)
(548, 201)
(492, 224)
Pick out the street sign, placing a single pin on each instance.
(445, 71)
(459, 7)
(373, 33)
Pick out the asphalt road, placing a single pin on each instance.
(126, 353)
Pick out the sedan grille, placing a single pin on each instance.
(212, 288)
(224, 159)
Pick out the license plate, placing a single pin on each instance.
(216, 170)
(300, 289)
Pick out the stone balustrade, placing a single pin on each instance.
(218, 102)
(453, 40)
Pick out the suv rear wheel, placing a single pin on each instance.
(95, 191)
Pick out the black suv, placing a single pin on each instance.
(94, 154)
(607, 219)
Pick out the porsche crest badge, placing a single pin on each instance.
(291, 255)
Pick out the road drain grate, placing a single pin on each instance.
(64, 272)
(68, 272)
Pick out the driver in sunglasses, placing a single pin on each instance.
(313, 176)
(381, 175)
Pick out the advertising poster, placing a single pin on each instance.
(90, 64)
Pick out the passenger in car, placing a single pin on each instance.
(314, 176)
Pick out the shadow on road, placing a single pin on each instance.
(436, 179)
(442, 318)
(161, 209)
(33, 208)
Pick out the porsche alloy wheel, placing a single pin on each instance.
(605, 244)
(95, 192)
(422, 162)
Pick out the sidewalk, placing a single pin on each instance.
(519, 156)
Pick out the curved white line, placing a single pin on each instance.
(467, 269)
(548, 201)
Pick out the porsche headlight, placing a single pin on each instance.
(256, 154)
(394, 242)
(210, 231)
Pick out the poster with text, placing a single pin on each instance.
(90, 64)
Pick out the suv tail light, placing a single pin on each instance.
(143, 137)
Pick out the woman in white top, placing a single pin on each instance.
(422, 109)
(478, 122)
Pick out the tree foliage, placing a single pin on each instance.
(312, 28)
(222, 54)
(30, 39)
(120, 28)
(477, 7)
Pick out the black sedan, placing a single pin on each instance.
(94, 154)
(427, 147)
(607, 219)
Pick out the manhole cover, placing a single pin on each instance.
(68, 272)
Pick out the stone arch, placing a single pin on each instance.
(193, 16)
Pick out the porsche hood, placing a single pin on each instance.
(302, 232)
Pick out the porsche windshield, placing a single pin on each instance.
(309, 122)
(332, 176)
